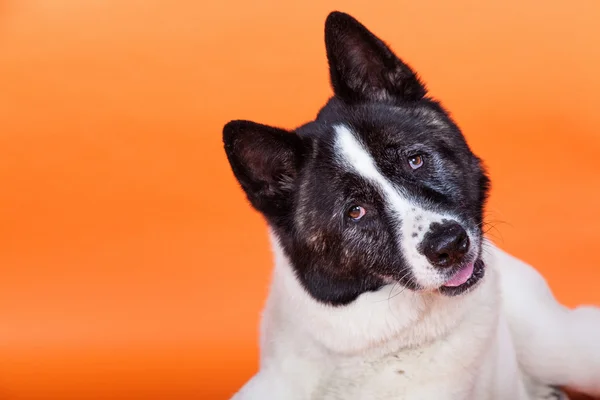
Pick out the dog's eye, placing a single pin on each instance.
(415, 161)
(356, 212)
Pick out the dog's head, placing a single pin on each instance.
(381, 188)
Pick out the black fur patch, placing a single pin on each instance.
(293, 178)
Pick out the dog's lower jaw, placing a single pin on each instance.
(370, 322)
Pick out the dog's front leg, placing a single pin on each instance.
(555, 344)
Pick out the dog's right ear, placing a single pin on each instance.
(265, 160)
(363, 68)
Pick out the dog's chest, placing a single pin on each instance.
(475, 367)
(398, 376)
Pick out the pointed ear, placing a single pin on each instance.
(265, 161)
(363, 68)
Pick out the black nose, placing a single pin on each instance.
(445, 244)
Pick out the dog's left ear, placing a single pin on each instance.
(265, 160)
(363, 68)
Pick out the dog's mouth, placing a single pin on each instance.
(464, 279)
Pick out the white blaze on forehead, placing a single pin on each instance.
(354, 156)
(412, 220)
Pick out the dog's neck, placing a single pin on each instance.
(387, 320)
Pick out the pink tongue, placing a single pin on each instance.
(461, 276)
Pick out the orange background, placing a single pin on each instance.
(131, 266)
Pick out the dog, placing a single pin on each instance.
(384, 285)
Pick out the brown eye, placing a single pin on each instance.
(415, 161)
(356, 212)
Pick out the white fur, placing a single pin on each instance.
(489, 344)
(505, 340)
